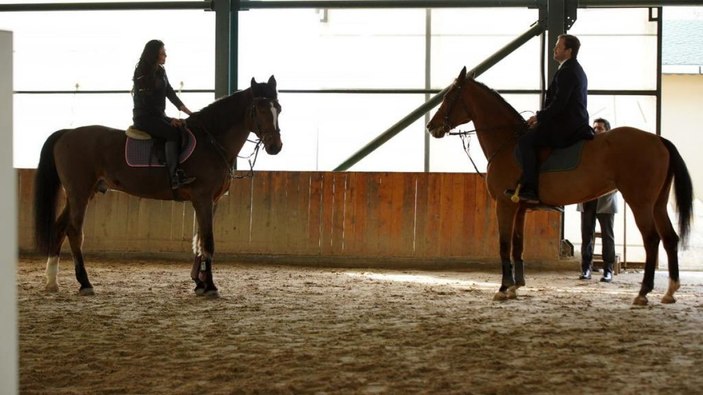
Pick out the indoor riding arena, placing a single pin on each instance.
(329, 243)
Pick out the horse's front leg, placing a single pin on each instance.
(506, 218)
(518, 240)
(201, 272)
(195, 270)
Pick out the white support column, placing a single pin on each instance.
(9, 374)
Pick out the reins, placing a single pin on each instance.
(466, 141)
(466, 135)
(255, 154)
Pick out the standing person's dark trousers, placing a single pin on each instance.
(589, 214)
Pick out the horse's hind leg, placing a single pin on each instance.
(650, 237)
(52, 262)
(74, 231)
(670, 240)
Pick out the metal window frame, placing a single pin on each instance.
(555, 17)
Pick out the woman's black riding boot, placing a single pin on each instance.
(178, 177)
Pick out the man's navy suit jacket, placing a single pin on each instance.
(565, 115)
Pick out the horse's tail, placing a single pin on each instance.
(683, 189)
(46, 193)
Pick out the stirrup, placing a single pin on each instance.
(517, 196)
(179, 179)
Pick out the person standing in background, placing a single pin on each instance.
(603, 209)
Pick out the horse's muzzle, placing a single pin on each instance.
(437, 132)
(272, 143)
(273, 149)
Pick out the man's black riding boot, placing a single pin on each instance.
(178, 177)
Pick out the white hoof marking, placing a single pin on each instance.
(512, 293)
(52, 271)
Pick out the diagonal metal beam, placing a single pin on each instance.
(536, 29)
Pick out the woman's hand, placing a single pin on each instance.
(532, 122)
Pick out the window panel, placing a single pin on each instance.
(98, 50)
(320, 131)
(346, 49)
(618, 48)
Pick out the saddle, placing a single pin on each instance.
(552, 160)
(558, 159)
(141, 150)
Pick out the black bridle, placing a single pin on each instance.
(451, 102)
(252, 112)
(222, 152)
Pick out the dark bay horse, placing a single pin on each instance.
(84, 159)
(641, 165)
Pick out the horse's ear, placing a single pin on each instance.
(253, 82)
(272, 82)
(462, 74)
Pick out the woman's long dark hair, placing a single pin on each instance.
(147, 66)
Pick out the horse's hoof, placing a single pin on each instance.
(213, 293)
(86, 292)
(668, 299)
(512, 292)
(640, 301)
(500, 296)
(52, 288)
(199, 291)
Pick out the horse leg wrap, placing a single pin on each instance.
(196, 268)
(205, 269)
(508, 280)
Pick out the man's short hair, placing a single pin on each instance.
(604, 122)
(571, 42)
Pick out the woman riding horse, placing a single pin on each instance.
(151, 88)
(78, 161)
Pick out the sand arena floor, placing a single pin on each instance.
(292, 329)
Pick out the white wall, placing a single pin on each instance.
(8, 231)
(682, 121)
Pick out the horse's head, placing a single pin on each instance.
(264, 115)
(452, 112)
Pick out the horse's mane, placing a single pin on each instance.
(218, 115)
(502, 100)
